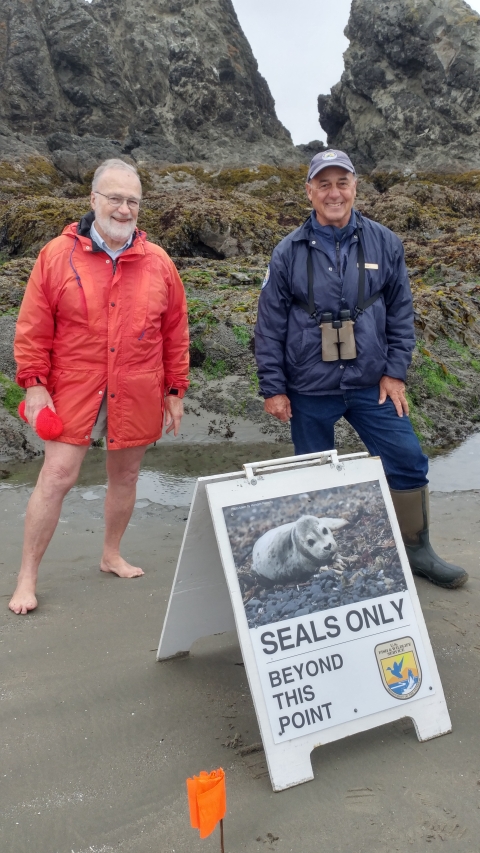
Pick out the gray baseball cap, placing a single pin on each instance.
(329, 158)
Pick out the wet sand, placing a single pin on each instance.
(98, 738)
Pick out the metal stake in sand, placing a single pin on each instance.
(207, 802)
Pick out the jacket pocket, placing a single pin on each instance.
(75, 395)
(142, 406)
(306, 345)
(372, 349)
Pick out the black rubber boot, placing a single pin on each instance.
(413, 513)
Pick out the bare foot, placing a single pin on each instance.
(23, 599)
(119, 566)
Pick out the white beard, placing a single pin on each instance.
(119, 232)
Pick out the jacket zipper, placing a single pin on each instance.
(84, 301)
(337, 249)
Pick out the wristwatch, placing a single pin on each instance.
(176, 392)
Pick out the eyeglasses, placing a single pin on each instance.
(117, 200)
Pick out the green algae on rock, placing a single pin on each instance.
(11, 395)
(221, 225)
(33, 176)
(27, 224)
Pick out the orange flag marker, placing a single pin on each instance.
(207, 801)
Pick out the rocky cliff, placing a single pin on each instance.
(163, 80)
(410, 93)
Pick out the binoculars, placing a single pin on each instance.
(338, 338)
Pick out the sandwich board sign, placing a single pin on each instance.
(303, 557)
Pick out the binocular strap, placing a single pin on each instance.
(362, 304)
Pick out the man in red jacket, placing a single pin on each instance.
(102, 340)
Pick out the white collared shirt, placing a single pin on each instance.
(112, 253)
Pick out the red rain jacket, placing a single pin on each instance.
(87, 324)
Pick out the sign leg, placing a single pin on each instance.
(431, 719)
(199, 603)
(290, 767)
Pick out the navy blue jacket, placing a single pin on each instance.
(288, 342)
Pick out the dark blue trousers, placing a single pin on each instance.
(381, 430)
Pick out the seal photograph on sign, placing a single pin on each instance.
(399, 667)
(293, 552)
(313, 551)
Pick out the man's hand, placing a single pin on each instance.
(36, 400)
(395, 389)
(173, 413)
(279, 407)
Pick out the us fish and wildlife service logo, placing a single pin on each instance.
(399, 667)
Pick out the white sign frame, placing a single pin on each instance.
(206, 599)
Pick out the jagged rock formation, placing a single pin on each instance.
(410, 93)
(159, 80)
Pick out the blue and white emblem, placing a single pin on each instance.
(267, 277)
(399, 667)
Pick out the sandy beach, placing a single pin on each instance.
(98, 738)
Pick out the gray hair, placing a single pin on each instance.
(111, 164)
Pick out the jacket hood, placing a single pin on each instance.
(83, 227)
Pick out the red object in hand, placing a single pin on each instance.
(48, 427)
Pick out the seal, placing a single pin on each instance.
(292, 553)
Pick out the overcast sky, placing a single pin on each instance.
(299, 45)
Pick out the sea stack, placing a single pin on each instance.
(409, 96)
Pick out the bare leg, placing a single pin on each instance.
(122, 469)
(59, 473)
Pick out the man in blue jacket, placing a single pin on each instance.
(315, 364)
